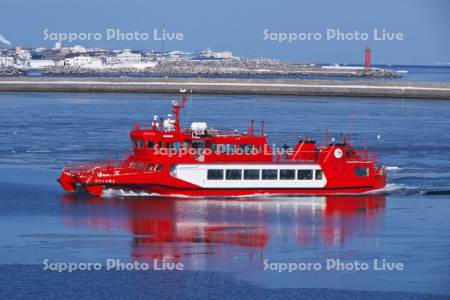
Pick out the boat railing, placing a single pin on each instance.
(365, 155)
(280, 154)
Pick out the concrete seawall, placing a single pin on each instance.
(354, 88)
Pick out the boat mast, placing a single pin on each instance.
(176, 107)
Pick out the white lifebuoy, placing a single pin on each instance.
(338, 153)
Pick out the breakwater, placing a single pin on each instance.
(230, 86)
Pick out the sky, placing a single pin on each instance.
(247, 28)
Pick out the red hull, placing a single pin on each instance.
(236, 192)
(250, 192)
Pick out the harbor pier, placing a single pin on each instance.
(351, 88)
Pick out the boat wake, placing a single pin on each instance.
(393, 168)
(399, 189)
(111, 193)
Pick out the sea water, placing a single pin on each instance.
(233, 238)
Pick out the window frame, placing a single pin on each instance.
(227, 171)
(286, 170)
(265, 170)
(366, 172)
(309, 171)
(217, 178)
(252, 178)
(316, 173)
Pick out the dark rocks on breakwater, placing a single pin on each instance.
(11, 71)
(230, 68)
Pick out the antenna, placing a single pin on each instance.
(177, 107)
(250, 129)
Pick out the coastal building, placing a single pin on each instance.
(123, 57)
(209, 54)
(127, 56)
(223, 55)
(83, 61)
(57, 55)
(79, 49)
(6, 61)
(177, 54)
(58, 45)
(111, 59)
(23, 54)
(40, 63)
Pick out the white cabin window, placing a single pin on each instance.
(287, 174)
(215, 174)
(304, 174)
(251, 174)
(319, 175)
(269, 174)
(362, 171)
(233, 174)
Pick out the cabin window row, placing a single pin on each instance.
(215, 148)
(264, 174)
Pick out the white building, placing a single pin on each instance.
(111, 59)
(208, 54)
(6, 61)
(23, 54)
(58, 45)
(40, 63)
(129, 57)
(78, 49)
(222, 54)
(178, 54)
(83, 62)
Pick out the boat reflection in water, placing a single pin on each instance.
(222, 232)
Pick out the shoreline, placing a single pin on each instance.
(357, 88)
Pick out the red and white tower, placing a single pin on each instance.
(367, 58)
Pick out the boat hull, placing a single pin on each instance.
(249, 192)
(97, 190)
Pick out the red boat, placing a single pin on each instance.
(203, 161)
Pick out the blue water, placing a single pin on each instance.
(227, 241)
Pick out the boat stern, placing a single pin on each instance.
(380, 177)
